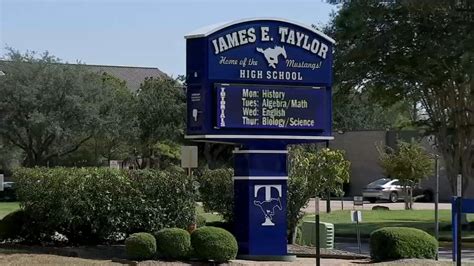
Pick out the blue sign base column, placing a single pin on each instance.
(260, 190)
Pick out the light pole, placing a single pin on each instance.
(318, 243)
(328, 199)
(436, 200)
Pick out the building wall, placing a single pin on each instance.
(361, 151)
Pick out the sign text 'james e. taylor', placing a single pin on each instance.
(286, 35)
(273, 53)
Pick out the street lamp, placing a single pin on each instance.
(436, 157)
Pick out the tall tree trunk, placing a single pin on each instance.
(405, 197)
(328, 202)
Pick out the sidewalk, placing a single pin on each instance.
(299, 261)
(348, 205)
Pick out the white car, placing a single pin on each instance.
(392, 190)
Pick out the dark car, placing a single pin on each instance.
(392, 190)
(8, 193)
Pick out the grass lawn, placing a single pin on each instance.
(372, 220)
(210, 217)
(7, 207)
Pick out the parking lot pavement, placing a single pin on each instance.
(445, 253)
(348, 205)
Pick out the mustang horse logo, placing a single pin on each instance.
(270, 204)
(268, 208)
(271, 54)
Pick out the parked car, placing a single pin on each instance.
(392, 190)
(8, 193)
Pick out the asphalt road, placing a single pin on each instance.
(445, 253)
(348, 205)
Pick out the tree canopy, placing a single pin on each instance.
(161, 107)
(62, 114)
(48, 109)
(420, 51)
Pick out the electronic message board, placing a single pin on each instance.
(270, 107)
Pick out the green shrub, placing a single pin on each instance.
(217, 191)
(390, 243)
(90, 205)
(12, 225)
(160, 210)
(200, 221)
(173, 243)
(212, 243)
(140, 246)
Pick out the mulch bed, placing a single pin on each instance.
(305, 251)
(100, 252)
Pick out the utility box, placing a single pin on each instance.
(326, 237)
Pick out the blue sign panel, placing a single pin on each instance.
(262, 84)
(259, 52)
(272, 107)
(270, 51)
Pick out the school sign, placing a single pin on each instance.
(259, 84)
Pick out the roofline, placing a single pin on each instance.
(121, 66)
(206, 31)
(94, 65)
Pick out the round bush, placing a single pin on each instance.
(212, 243)
(11, 226)
(140, 246)
(390, 243)
(173, 243)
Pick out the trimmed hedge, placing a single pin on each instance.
(391, 243)
(12, 225)
(173, 243)
(91, 205)
(140, 246)
(212, 243)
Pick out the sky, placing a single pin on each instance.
(132, 33)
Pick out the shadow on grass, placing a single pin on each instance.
(114, 253)
(85, 252)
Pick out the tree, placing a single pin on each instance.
(116, 132)
(409, 163)
(161, 106)
(313, 173)
(355, 111)
(119, 127)
(419, 51)
(48, 109)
